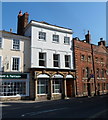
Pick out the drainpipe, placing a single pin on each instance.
(93, 62)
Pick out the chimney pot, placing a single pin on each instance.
(10, 29)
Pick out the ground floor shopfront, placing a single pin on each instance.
(14, 86)
(52, 83)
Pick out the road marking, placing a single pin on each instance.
(3, 105)
(97, 114)
(40, 112)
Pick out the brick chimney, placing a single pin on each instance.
(22, 22)
(101, 42)
(88, 37)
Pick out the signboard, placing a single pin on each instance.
(13, 76)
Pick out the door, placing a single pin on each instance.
(70, 87)
(89, 89)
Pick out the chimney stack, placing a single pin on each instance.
(101, 42)
(88, 37)
(22, 22)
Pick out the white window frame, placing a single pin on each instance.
(2, 42)
(56, 60)
(1, 64)
(19, 63)
(69, 61)
(46, 80)
(13, 44)
(26, 87)
(55, 38)
(54, 86)
(67, 40)
(42, 36)
(43, 59)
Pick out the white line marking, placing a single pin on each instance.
(40, 112)
(97, 114)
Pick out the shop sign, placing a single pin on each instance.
(13, 76)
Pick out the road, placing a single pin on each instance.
(86, 108)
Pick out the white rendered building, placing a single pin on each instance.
(14, 64)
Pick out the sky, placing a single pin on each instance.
(78, 16)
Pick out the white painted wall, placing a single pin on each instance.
(7, 52)
(49, 46)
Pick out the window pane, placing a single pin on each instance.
(66, 40)
(67, 60)
(15, 64)
(42, 60)
(0, 42)
(42, 35)
(12, 88)
(16, 44)
(42, 86)
(56, 38)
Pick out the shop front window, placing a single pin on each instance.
(57, 85)
(10, 88)
(42, 86)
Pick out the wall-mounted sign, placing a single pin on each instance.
(13, 76)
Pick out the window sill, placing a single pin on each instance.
(55, 42)
(66, 44)
(41, 94)
(42, 40)
(15, 50)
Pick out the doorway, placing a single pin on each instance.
(89, 89)
(70, 87)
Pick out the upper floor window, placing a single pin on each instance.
(15, 63)
(96, 59)
(82, 57)
(89, 58)
(0, 63)
(67, 40)
(97, 71)
(87, 70)
(102, 71)
(42, 59)
(42, 35)
(56, 60)
(1, 42)
(16, 44)
(67, 60)
(102, 60)
(55, 38)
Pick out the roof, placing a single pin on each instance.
(12, 33)
(43, 22)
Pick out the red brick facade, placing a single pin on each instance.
(91, 64)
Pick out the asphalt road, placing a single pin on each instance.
(86, 108)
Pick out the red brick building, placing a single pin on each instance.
(91, 64)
